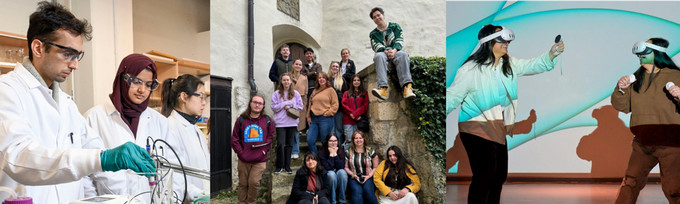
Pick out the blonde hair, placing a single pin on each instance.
(337, 76)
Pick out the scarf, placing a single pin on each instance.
(133, 64)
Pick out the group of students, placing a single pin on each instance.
(324, 177)
(485, 87)
(328, 105)
(61, 155)
(332, 106)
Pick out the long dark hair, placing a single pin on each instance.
(319, 167)
(661, 61)
(358, 93)
(398, 171)
(172, 88)
(291, 91)
(324, 149)
(484, 55)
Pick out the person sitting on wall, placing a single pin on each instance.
(386, 42)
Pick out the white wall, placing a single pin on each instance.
(332, 24)
(16, 15)
(347, 25)
(229, 40)
(111, 41)
(172, 27)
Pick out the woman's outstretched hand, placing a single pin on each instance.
(556, 49)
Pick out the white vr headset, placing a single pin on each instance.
(644, 48)
(502, 36)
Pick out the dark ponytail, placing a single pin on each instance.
(172, 88)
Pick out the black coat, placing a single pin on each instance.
(299, 190)
(350, 70)
(345, 86)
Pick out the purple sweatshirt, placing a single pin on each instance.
(251, 137)
(281, 119)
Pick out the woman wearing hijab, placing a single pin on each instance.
(183, 103)
(127, 117)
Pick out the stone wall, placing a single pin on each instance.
(390, 125)
(289, 7)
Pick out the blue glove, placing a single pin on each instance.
(127, 156)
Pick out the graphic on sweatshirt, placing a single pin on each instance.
(253, 133)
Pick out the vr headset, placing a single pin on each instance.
(502, 36)
(644, 48)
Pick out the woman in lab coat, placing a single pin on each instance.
(127, 117)
(183, 103)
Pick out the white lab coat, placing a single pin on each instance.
(41, 140)
(190, 143)
(114, 132)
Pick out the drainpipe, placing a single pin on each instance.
(251, 47)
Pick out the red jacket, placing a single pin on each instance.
(251, 136)
(349, 108)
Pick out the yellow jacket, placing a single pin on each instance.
(379, 176)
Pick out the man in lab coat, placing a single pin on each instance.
(44, 141)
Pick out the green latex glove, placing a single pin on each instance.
(202, 199)
(127, 156)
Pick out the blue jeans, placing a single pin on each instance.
(338, 125)
(320, 127)
(338, 181)
(296, 143)
(363, 193)
(349, 129)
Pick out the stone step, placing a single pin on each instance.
(281, 185)
(283, 182)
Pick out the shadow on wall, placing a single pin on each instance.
(608, 147)
(458, 154)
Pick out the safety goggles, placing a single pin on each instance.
(502, 36)
(644, 48)
(134, 82)
(202, 96)
(70, 53)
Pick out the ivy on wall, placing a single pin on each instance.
(428, 108)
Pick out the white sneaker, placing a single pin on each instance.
(294, 156)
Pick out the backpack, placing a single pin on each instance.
(266, 117)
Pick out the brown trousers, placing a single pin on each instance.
(249, 176)
(642, 160)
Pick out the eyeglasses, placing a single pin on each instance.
(200, 95)
(332, 140)
(71, 54)
(257, 103)
(135, 82)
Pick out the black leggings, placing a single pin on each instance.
(284, 146)
(489, 164)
